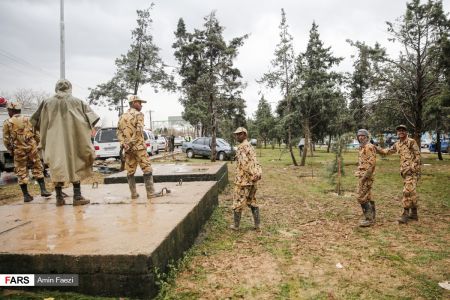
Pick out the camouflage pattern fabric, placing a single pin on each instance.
(247, 165)
(365, 172)
(409, 168)
(130, 132)
(137, 157)
(22, 142)
(244, 195)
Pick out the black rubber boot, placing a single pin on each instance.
(372, 203)
(78, 199)
(255, 213)
(413, 214)
(368, 215)
(59, 196)
(148, 180)
(132, 184)
(404, 217)
(26, 196)
(44, 192)
(236, 219)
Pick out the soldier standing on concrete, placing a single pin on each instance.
(365, 174)
(22, 142)
(248, 173)
(131, 137)
(409, 153)
(65, 124)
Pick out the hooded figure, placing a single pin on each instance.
(65, 125)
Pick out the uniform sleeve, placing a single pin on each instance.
(371, 159)
(7, 137)
(35, 118)
(120, 135)
(388, 151)
(91, 116)
(416, 151)
(37, 136)
(252, 167)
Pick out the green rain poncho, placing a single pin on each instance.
(65, 124)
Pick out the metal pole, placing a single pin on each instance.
(62, 45)
(150, 113)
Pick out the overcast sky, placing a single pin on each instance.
(98, 31)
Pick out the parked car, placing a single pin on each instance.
(150, 143)
(106, 143)
(424, 142)
(391, 140)
(253, 142)
(444, 146)
(162, 143)
(178, 141)
(202, 147)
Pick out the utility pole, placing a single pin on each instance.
(150, 113)
(62, 44)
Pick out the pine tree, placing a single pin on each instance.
(264, 121)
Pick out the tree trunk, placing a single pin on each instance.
(438, 144)
(307, 137)
(290, 147)
(213, 127)
(311, 145)
(329, 144)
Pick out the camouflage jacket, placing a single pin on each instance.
(247, 166)
(19, 134)
(366, 160)
(131, 129)
(409, 155)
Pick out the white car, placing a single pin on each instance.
(150, 143)
(162, 143)
(106, 144)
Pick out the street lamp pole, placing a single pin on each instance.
(150, 114)
(62, 57)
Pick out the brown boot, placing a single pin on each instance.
(26, 196)
(413, 214)
(132, 185)
(368, 215)
(255, 213)
(404, 217)
(148, 180)
(78, 199)
(59, 196)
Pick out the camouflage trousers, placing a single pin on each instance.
(409, 191)
(21, 163)
(244, 195)
(135, 158)
(364, 190)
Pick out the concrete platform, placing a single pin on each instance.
(174, 172)
(115, 244)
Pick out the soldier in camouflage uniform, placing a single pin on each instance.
(131, 137)
(409, 153)
(248, 172)
(22, 142)
(365, 174)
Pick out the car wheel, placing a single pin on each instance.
(190, 153)
(221, 156)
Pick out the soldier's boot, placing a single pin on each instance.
(44, 192)
(78, 199)
(26, 196)
(132, 185)
(372, 203)
(148, 180)
(255, 213)
(368, 215)
(236, 219)
(404, 217)
(59, 196)
(413, 214)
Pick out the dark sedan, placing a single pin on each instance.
(202, 147)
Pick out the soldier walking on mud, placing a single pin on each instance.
(130, 133)
(22, 142)
(65, 125)
(248, 173)
(365, 174)
(409, 153)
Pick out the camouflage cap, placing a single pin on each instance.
(240, 129)
(362, 131)
(401, 126)
(136, 98)
(14, 105)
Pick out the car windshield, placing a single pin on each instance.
(108, 136)
(222, 142)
